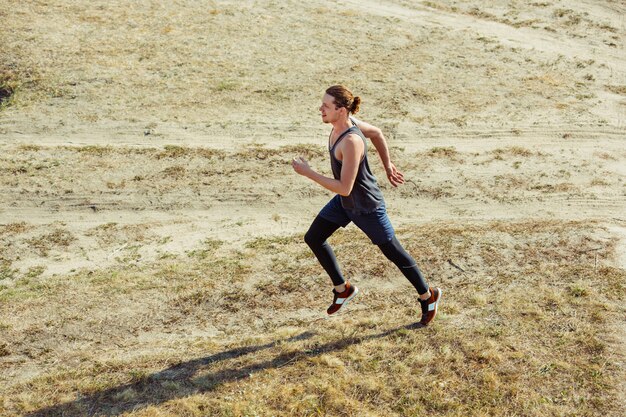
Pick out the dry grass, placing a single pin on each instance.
(112, 233)
(178, 75)
(617, 89)
(448, 152)
(525, 330)
(188, 293)
(57, 239)
(175, 176)
(542, 15)
(13, 228)
(6, 272)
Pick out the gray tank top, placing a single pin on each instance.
(366, 196)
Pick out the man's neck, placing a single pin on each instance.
(341, 125)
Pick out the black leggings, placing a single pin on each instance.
(322, 229)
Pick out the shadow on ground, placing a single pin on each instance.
(149, 390)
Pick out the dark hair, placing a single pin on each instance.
(344, 98)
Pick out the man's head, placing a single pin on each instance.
(338, 103)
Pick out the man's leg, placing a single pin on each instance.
(320, 230)
(394, 251)
(429, 297)
(378, 228)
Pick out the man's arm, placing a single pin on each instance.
(351, 149)
(374, 134)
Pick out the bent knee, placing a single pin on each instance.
(394, 251)
(312, 239)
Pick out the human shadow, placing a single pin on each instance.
(179, 380)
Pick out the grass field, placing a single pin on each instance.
(222, 332)
(152, 260)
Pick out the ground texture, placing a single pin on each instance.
(152, 260)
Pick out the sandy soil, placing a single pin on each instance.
(141, 131)
(483, 79)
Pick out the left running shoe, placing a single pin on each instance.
(342, 298)
(430, 306)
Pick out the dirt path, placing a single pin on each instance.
(554, 43)
(174, 203)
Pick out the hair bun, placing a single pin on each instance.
(356, 104)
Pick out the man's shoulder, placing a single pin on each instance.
(353, 139)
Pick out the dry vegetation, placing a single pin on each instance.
(533, 338)
(81, 68)
(184, 177)
(151, 252)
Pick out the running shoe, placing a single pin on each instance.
(430, 306)
(342, 298)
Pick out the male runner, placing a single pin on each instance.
(358, 199)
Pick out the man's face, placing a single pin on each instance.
(330, 112)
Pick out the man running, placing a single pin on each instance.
(358, 200)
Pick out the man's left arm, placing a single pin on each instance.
(374, 134)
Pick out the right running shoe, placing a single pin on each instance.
(430, 306)
(342, 298)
